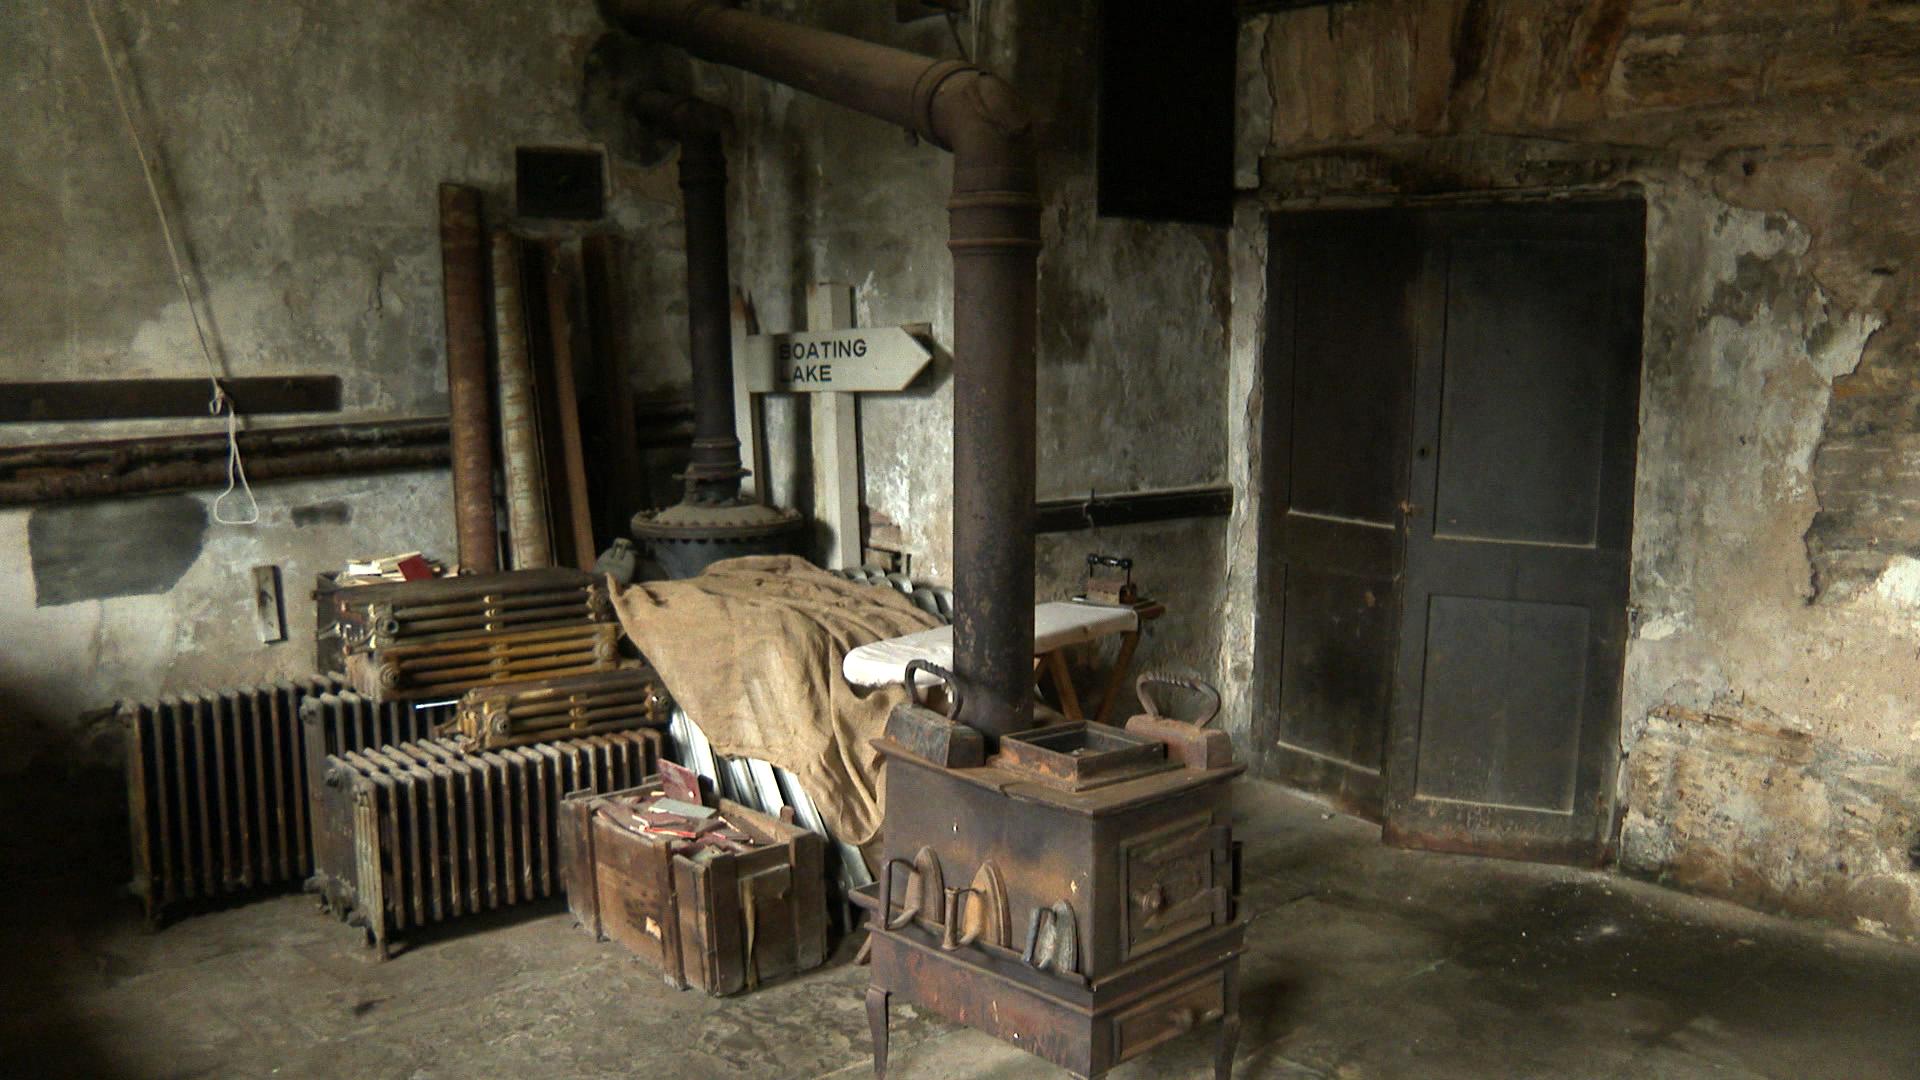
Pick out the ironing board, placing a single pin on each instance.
(1056, 625)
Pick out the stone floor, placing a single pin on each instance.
(1366, 962)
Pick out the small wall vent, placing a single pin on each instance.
(568, 184)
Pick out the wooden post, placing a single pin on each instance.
(748, 423)
(836, 440)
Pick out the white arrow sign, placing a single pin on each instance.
(857, 360)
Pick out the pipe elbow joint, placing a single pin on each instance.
(983, 121)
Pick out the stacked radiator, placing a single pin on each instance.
(217, 785)
(423, 832)
(438, 638)
(493, 717)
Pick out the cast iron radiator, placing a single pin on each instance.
(443, 636)
(424, 832)
(515, 714)
(217, 786)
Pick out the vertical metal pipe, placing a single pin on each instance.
(519, 413)
(713, 476)
(995, 239)
(995, 244)
(464, 274)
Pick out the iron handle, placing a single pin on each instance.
(1152, 678)
(938, 672)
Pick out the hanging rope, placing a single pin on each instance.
(219, 404)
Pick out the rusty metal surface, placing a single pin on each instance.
(450, 667)
(493, 717)
(1126, 891)
(1081, 755)
(88, 470)
(217, 788)
(519, 413)
(463, 264)
(365, 617)
(423, 832)
(713, 475)
(340, 721)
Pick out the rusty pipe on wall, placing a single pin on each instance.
(713, 475)
(463, 262)
(994, 234)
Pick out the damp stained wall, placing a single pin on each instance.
(1769, 740)
(1132, 316)
(299, 146)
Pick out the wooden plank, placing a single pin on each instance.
(567, 469)
(748, 421)
(150, 399)
(836, 440)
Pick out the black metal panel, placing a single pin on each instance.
(1100, 510)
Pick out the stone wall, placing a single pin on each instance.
(299, 145)
(1132, 316)
(1767, 728)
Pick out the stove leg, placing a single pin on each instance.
(877, 1020)
(1229, 1037)
(1223, 1051)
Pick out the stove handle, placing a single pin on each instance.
(938, 672)
(1154, 678)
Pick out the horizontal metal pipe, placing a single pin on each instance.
(1132, 508)
(101, 469)
(995, 239)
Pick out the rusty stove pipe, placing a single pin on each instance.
(713, 475)
(994, 234)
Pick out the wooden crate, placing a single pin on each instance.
(723, 923)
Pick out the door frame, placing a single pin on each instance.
(1257, 594)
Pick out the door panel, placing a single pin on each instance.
(1339, 379)
(1500, 677)
(1520, 437)
(1506, 696)
(1334, 688)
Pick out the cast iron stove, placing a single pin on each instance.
(1073, 894)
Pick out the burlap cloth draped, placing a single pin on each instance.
(751, 649)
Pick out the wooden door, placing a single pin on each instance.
(1336, 426)
(1505, 718)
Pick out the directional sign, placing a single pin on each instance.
(857, 360)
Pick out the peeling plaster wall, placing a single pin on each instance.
(1132, 316)
(300, 145)
(1770, 751)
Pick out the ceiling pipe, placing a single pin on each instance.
(994, 234)
(712, 521)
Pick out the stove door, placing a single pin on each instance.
(1176, 882)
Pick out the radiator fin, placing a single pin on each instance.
(418, 833)
(217, 786)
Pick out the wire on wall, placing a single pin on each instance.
(219, 404)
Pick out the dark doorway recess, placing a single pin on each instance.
(1166, 110)
(1450, 419)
